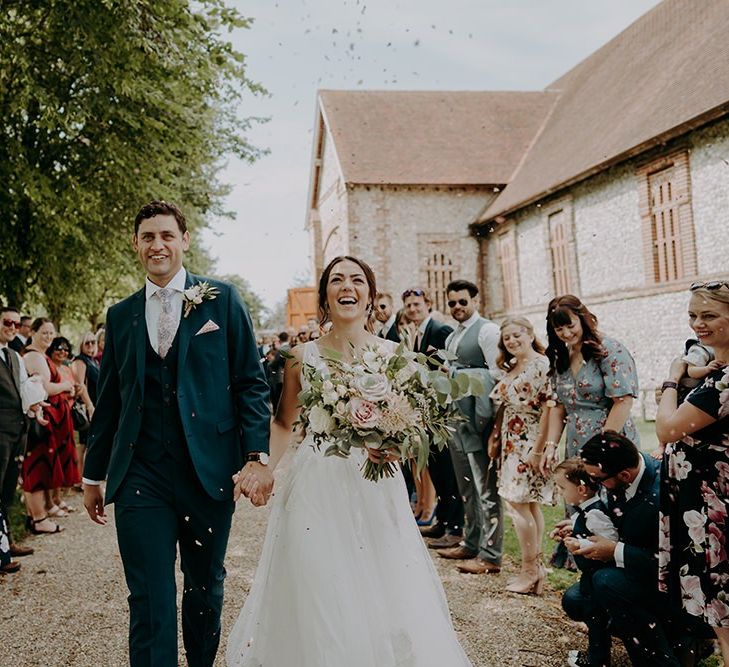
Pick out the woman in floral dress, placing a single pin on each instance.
(594, 381)
(693, 562)
(522, 395)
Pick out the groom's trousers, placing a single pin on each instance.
(159, 506)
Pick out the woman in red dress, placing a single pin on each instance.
(42, 469)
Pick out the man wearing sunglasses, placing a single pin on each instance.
(385, 315)
(13, 427)
(624, 593)
(475, 344)
(21, 335)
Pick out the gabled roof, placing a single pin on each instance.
(432, 138)
(665, 73)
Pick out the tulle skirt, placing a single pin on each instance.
(344, 577)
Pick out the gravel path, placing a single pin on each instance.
(67, 606)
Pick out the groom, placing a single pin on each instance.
(182, 405)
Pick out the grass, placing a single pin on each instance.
(17, 517)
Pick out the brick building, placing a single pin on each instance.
(615, 186)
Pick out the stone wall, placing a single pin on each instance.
(611, 272)
(397, 228)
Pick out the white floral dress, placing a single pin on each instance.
(523, 397)
(692, 555)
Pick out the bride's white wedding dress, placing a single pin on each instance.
(344, 579)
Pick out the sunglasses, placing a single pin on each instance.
(89, 342)
(460, 302)
(11, 324)
(711, 285)
(62, 349)
(413, 292)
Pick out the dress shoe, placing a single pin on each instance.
(457, 553)
(17, 551)
(436, 530)
(12, 566)
(479, 566)
(445, 542)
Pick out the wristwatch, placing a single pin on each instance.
(261, 457)
(669, 384)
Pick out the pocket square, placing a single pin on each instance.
(207, 328)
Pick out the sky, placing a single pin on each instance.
(296, 47)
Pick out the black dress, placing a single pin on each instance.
(693, 562)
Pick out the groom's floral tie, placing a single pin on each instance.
(167, 324)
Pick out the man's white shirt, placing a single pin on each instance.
(153, 303)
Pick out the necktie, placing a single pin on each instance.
(457, 335)
(167, 324)
(5, 357)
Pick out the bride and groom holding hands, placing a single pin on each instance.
(182, 429)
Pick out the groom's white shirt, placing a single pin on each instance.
(153, 304)
(152, 311)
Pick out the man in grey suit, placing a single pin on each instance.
(12, 434)
(475, 343)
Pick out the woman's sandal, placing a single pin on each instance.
(66, 507)
(31, 526)
(57, 512)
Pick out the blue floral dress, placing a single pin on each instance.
(588, 396)
(692, 547)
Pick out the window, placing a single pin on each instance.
(559, 245)
(509, 269)
(439, 268)
(668, 230)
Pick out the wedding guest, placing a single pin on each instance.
(21, 336)
(594, 380)
(522, 395)
(12, 434)
(86, 372)
(694, 567)
(100, 342)
(42, 469)
(475, 346)
(590, 518)
(276, 368)
(430, 336)
(385, 314)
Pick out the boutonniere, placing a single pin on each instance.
(194, 295)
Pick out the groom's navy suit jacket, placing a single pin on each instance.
(222, 393)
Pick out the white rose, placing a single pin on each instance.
(341, 390)
(341, 408)
(373, 388)
(330, 397)
(320, 421)
(372, 361)
(327, 385)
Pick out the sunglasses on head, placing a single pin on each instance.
(710, 285)
(11, 324)
(460, 302)
(413, 292)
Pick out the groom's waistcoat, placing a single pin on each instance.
(161, 429)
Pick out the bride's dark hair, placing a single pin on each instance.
(324, 281)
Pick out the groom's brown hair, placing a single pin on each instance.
(160, 207)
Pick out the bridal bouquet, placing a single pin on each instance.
(393, 402)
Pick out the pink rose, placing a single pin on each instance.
(692, 595)
(363, 414)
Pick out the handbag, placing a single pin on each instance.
(80, 417)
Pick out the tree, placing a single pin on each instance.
(104, 105)
(252, 300)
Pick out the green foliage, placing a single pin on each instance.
(252, 300)
(106, 104)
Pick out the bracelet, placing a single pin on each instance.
(550, 443)
(669, 384)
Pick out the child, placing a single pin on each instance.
(701, 361)
(590, 518)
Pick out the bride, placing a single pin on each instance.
(344, 577)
